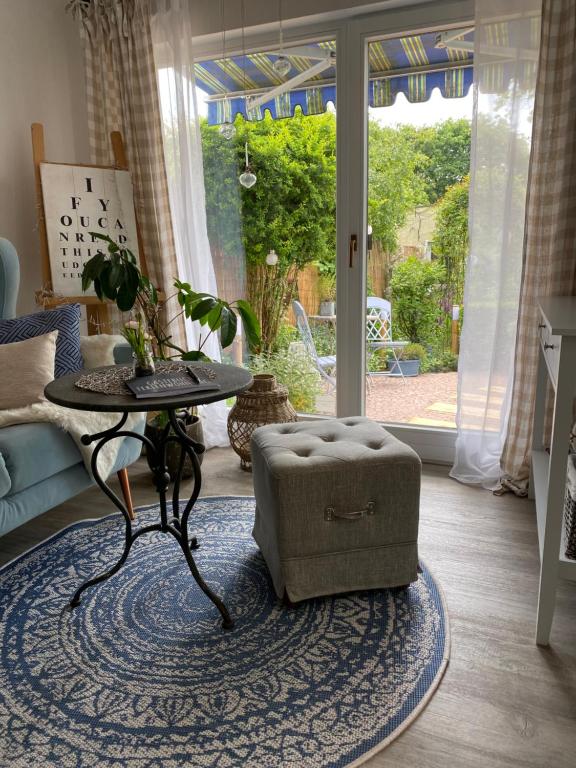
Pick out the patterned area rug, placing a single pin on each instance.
(142, 674)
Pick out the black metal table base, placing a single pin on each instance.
(171, 522)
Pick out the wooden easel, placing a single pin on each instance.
(96, 310)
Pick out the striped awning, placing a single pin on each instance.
(413, 66)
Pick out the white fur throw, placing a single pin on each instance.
(76, 423)
(96, 351)
(99, 350)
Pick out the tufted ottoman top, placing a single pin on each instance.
(312, 446)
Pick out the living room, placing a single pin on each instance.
(225, 562)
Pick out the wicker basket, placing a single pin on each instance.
(570, 509)
(266, 402)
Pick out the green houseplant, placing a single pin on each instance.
(117, 277)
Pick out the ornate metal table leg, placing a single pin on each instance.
(103, 438)
(192, 448)
(177, 526)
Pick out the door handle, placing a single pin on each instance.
(352, 248)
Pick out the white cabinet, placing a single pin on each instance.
(557, 363)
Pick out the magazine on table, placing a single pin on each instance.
(185, 382)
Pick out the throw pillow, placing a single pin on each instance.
(27, 367)
(65, 319)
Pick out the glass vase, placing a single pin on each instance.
(144, 363)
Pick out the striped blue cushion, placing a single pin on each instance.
(64, 319)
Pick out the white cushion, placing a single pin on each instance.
(27, 367)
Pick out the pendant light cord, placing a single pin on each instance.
(281, 31)
(243, 20)
(243, 12)
(223, 30)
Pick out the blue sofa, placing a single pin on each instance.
(40, 466)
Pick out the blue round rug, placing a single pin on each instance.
(142, 674)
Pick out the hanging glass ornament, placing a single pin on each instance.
(272, 258)
(227, 130)
(282, 66)
(247, 179)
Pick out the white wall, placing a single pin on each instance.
(41, 80)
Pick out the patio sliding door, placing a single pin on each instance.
(395, 299)
(303, 131)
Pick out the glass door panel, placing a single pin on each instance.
(269, 153)
(419, 107)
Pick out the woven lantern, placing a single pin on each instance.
(266, 402)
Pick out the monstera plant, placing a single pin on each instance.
(116, 276)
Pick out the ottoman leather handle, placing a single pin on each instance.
(331, 514)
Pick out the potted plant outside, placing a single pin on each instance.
(327, 292)
(408, 360)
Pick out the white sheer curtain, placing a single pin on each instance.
(172, 35)
(505, 64)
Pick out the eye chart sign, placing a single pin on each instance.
(79, 200)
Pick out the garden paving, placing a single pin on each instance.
(427, 400)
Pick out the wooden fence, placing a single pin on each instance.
(378, 276)
(231, 279)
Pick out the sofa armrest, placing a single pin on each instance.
(5, 481)
(122, 353)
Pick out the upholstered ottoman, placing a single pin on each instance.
(336, 506)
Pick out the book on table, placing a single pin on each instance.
(184, 382)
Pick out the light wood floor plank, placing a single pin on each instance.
(504, 702)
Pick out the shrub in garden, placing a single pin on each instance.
(296, 371)
(291, 208)
(324, 335)
(441, 361)
(416, 295)
(381, 359)
(411, 352)
(376, 360)
(327, 285)
(285, 336)
(394, 187)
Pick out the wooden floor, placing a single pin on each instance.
(503, 701)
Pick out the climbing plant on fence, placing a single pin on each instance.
(450, 242)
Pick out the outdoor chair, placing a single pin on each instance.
(326, 365)
(379, 329)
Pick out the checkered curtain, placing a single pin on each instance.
(122, 95)
(550, 230)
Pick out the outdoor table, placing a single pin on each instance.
(323, 318)
(63, 391)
